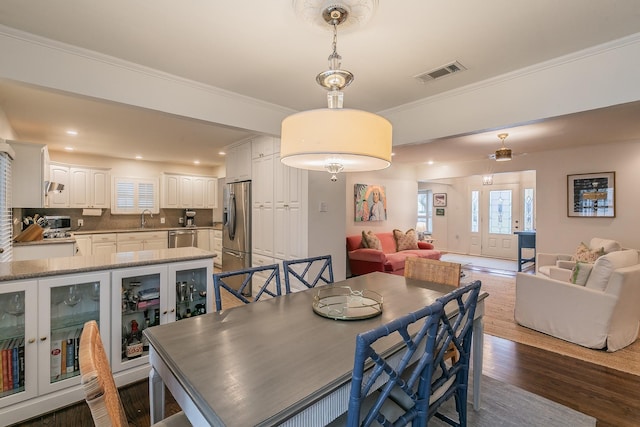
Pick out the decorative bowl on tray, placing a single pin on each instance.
(344, 303)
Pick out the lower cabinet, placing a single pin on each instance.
(42, 319)
(103, 244)
(217, 247)
(40, 330)
(142, 241)
(50, 249)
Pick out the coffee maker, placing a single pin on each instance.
(189, 218)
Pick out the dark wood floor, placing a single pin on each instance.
(610, 396)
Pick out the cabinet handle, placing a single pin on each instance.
(173, 309)
(43, 338)
(32, 340)
(164, 312)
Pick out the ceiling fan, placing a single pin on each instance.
(503, 153)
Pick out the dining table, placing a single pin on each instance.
(277, 361)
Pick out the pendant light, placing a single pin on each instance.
(503, 154)
(336, 139)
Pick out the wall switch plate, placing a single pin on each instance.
(161, 220)
(180, 220)
(80, 222)
(323, 207)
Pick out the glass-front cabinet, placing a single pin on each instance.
(18, 331)
(139, 301)
(193, 294)
(65, 303)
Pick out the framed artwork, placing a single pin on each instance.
(439, 199)
(591, 195)
(370, 203)
(439, 211)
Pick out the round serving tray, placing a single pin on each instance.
(344, 303)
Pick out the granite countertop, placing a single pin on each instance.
(216, 226)
(46, 241)
(32, 269)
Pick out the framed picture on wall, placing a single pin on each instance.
(370, 202)
(591, 195)
(440, 212)
(439, 199)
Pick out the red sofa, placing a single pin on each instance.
(364, 260)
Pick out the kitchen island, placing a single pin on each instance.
(47, 301)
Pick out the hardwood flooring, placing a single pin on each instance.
(611, 396)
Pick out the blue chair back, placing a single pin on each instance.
(300, 270)
(451, 378)
(410, 370)
(251, 287)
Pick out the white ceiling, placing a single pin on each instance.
(260, 49)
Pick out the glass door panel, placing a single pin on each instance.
(193, 293)
(17, 342)
(70, 302)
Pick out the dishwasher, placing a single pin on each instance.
(183, 238)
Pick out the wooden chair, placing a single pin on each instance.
(375, 376)
(432, 270)
(304, 271)
(99, 386)
(246, 291)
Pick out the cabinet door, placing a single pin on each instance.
(203, 240)
(217, 247)
(59, 174)
(191, 288)
(103, 248)
(211, 190)
(262, 171)
(290, 229)
(155, 244)
(186, 192)
(99, 186)
(65, 304)
(139, 301)
(83, 245)
(129, 246)
(80, 189)
(19, 335)
(170, 186)
(199, 192)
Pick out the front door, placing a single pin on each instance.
(500, 217)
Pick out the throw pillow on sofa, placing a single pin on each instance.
(405, 241)
(580, 273)
(584, 254)
(371, 241)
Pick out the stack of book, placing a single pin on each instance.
(12, 358)
(65, 347)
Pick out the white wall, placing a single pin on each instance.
(6, 131)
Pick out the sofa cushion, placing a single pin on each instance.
(586, 254)
(607, 245)
(605, 265)
(404, 241)
(370, 240)
(580, 273)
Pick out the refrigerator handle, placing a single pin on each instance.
(232, 216)
(233, 254)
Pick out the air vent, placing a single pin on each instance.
(438, 73)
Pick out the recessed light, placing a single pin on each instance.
(68, 148)
(393, 154)
(138, 157)
(196, 162)
(222, 153)
(430, 162)
(72, 132)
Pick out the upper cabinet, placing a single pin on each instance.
(83, 187)
(29, 171)
(189, 192)
(238, 162)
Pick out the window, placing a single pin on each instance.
(133, 195)
(500, 212)
(425, 209)
(475, 211)
(6, 225)
(528, 209)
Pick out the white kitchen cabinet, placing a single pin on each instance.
(238, 162)
(188, 192)
(290, 205)
(262, 205)
(204, 241)
(217, 247)
(89, 188)
(83, 245)
(59, 173)
(262, 146)
(41, 315)
(155, 295)
(44, 250)
(104, 243)
(142, 241)
(29, 171)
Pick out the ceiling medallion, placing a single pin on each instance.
(359, 11)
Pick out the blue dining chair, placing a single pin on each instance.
(251, 287)
(451, 377)
(407, 370)
(308, 271)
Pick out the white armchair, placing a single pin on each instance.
(559, 266)
(604, 313)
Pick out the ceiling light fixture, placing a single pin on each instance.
(336, 139)
(503, 154)
(72, 132)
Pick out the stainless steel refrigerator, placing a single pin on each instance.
(236, 232)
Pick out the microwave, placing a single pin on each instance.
(58, 223)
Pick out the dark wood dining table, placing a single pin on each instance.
(277, 362)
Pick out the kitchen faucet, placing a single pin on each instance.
(142, 221)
